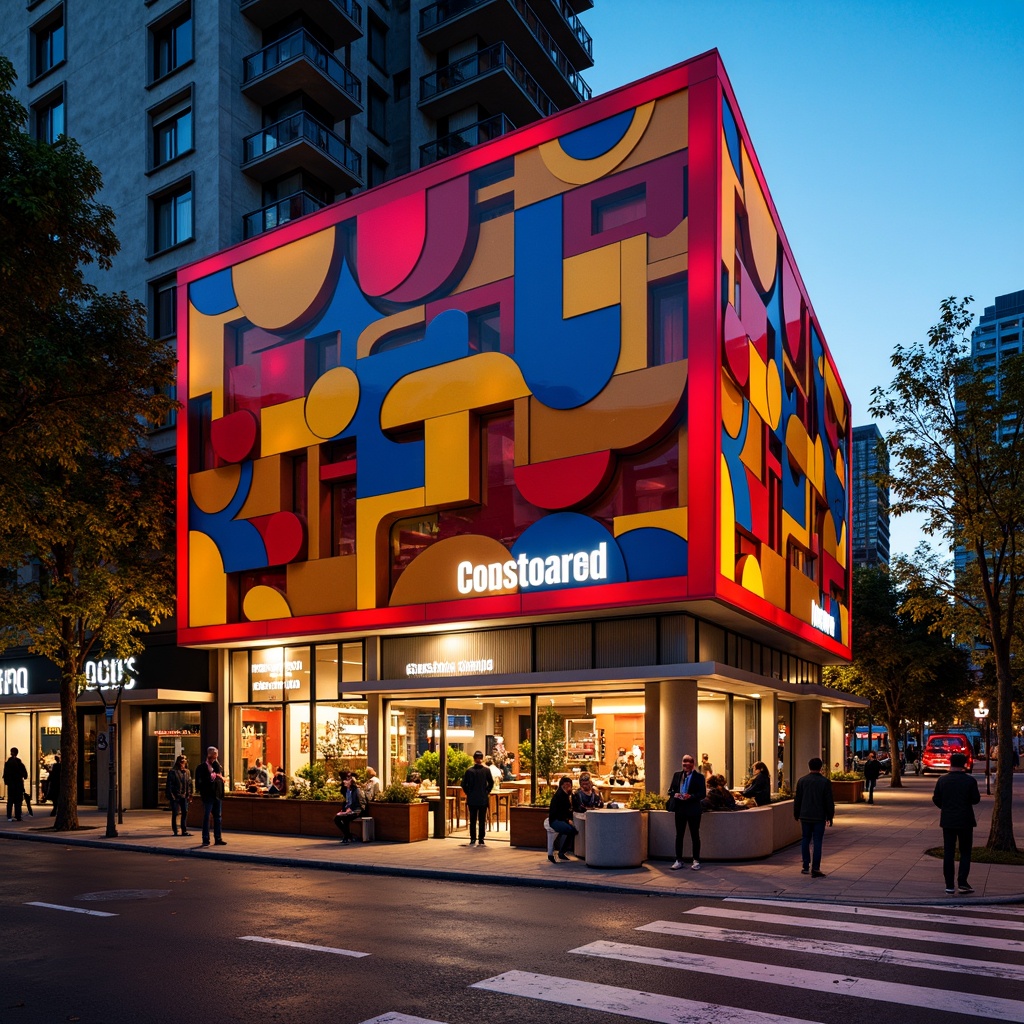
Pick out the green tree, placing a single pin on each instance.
(86, 507)
(957, 456)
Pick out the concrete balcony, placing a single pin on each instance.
(298, 204)
(298, 63)
(301, 142)
(493, 78)
(456, 142)
(342, 20)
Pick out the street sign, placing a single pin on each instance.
(101, 741)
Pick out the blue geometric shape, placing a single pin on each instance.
(565, 363)
(555, 540)
(239, 542)
(731, 449)
(653, 554)
(596, 139)
(349, 313)
(213, 295)
(732, 139)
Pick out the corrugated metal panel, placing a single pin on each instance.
(447, 655)
(565, 646)
(677, 639)
(621, 642)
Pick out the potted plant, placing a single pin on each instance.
(399, 816)
(847, 787)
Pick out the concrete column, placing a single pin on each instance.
(806, 738)
(652, 737)
(376, 737)
(677, 729)
(769, 738)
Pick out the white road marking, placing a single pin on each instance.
(72, 910)
(899, 915)
(915, 934)
(302, 945)
(983, 1007)
(971, 909)
(399, 1018)
(624, 1001)
(874, 954)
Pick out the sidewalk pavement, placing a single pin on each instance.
(875, 853)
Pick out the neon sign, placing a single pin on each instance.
(526, 572)
(820, 619)
(108, 672)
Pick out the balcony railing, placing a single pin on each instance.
(297, 45)
(298, 204)
(449, 145)
(296, 128)
(446, 10)
(484, 62)
(576, 25)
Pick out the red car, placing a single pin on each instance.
(939, 746)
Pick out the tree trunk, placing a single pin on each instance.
(1000, 836)
(67, 803)
(895, 774)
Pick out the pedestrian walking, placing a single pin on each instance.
(955, 795)
(53, 784)
(179, 793)
(685, 793)
(814, 807)
(210, 783)
(15, 774)
(872, 769)
(477, 784)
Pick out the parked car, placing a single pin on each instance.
(939, 747)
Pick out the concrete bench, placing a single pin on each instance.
(724, 835)
(362, 829)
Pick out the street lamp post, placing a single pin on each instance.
(981, 714)
(110, 706)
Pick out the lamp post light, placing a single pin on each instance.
(113, 692)
(981, 714)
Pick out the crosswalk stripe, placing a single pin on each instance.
(302, 945)
(856, 911)
(985, 1007)
(916, 934)
(399, 1018)
(1004, 910)
(874, 954)
(625, 1002)
(72, 910)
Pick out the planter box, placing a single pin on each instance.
(400, 823)
(848, 792)
(785, 828)
(526, 827)
(724, 835)
(617, 838)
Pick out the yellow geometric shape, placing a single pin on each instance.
(579, 172)
(674, 245)
(400, 321)
(834, 390)
(748, 573)
(757, 385)
(666, 132)
(633, 296)
(452, 460)
(371, 515)
(798, 445)
(207, 582)
(773, 393)
(726, 523)
(803, 592)
(763, 236)
(817, 475)
(533, 181)
(791, 528)
(730, 190)
(478, 382)
(322, 585)
(752, 453)
(674, 520)
(332, 401)
(283, 428)
(773, 576)
(270, 489)
(590, 281)
(277, 288)
(841, 550)
(433, 575)
(732, 406)
(262, 603)
(493, 259)
(206, 356)
(829, 541)
(213, 489)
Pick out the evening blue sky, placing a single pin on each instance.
(891, 135)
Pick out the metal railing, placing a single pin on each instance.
(483, 62)
(295, 128)
(298, 204)
(456, 142)
(296, 45)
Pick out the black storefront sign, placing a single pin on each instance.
(447, 655)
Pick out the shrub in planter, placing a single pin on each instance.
(312, 782)
(397, 793)
(641, 800)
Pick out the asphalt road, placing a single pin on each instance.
(189, 939)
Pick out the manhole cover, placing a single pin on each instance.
(123, 894)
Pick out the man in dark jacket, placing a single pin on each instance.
(814, 807)
(686, 790)
(477, 784)
(872, 769)
(955, 795)
(210, 783)
(15, 775)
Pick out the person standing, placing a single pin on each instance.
(179, 793)
(210, 783)
(814, 807)
(477, 784)
(955, 795)
(872, 769)
(15, 774)
(686, 790)
(53, 784)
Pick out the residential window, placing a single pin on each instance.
(377, 43)
(171, 43)
(48, 117)
(163, 312)
(667, 337)
(620, 208)
(376, 170)
(377, 101)
(172, 131)
(48, 42)
(485, 330)
(172, 218)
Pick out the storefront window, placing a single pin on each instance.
(169, 734)
(260, 734)
(746, 713)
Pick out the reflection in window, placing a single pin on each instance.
(172, 45)
(668, 340)
(172, 219)
(172, 133)
(48, 43)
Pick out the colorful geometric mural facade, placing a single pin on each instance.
(469, 393)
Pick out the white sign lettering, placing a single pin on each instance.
(471, 667)
(108, 672)
(13, 680)
(526, 572)
(820, 619)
